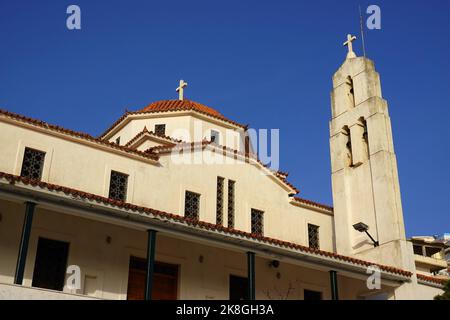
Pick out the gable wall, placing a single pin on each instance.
(163, 186)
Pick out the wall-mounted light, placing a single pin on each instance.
(362, 227)
(108, 239)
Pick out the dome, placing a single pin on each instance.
(182, 105)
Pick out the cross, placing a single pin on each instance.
(349, 44)
(180, 89)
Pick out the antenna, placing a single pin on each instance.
(362, 31)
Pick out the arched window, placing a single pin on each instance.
(365, 137)
(350, 92)
(348, 146)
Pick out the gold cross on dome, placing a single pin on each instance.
(349, 44)
(180, 89)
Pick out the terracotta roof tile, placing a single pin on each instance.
(170, 105)
(193, 145)
(180, 105)
(175, 105)
(312, 203)
(431, 279)
(72, 133)
(195, 223)
(151, 133)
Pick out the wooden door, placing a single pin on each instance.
(165, 280)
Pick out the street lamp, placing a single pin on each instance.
(362, 227)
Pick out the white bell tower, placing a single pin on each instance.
(364, 167)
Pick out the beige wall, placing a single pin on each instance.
(108, 263)
(163, 186)
(85, 166)
(131, 129)
(425, 292)
(197, 127)
(366, 190)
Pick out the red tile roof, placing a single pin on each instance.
(180, 105)
(12, 179)
(435, 280)
(170, 140)
(150, 153)
(175, 105)
(72, 133)
(315, 204)
(191, 146)
(170, 105)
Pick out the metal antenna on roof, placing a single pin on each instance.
(362, 31)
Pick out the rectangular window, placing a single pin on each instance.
(231, 185)
(238, 288)
(312, 295)
(257, 222)
(160, 129)
(418, 250)
(313, 236)
(431, 251)
(192, 205)
(50, 264)
(219, 204)
(32, 164)
(215, 136)
(118, 186)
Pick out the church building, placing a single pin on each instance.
(147, 210)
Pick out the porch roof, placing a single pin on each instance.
(43, 192)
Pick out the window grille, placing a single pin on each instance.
(118, 186)
(219, 204)
(231, 187)
(32, 164)
(257, 222)
(192, 205)
(160, 129)
(313, 236)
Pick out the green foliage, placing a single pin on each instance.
(446, 294)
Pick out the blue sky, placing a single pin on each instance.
(265, 63)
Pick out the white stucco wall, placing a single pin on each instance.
(196, 127)
(163, 186)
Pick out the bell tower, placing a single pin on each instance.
(364, 167)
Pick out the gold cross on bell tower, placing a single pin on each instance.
(349, 44)
(180, 89)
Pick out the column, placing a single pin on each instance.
(24, 241)
(334, 285)
(150, 263)
(251, 275)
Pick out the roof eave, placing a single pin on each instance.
(40, 192)
(128, 116)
